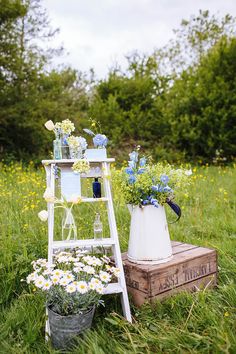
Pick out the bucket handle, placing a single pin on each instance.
(176, 208)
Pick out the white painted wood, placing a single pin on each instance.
(83, 243)
(113, 288)
(112, 241)
(71, 161)
(116, 248)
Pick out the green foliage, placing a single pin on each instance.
(201, 105)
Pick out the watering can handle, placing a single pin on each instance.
(176, 208)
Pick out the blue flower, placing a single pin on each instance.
(164, 179)
(133, 156)
(140, 171)
(154, 202)
(142, 162)
(132, 179)
(129, 171)
(145, 202)
(155, 188)
(132, 164)
(167, 189)
(100, 140)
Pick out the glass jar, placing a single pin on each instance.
(69, 231)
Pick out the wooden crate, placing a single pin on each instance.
(191, 268)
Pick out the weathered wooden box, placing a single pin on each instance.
(191, 268)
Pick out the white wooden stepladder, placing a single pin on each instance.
(98, 168)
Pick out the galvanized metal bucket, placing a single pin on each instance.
(149, 241)
(64, 329)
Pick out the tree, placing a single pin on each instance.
(29, 94)
(201, 105)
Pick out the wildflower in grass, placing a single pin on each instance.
(43, 215)
(188, 172)
(82, 287)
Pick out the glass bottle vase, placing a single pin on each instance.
(69, 230)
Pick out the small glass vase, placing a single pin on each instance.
(69, 230)
(76, 153)
(57, 149)
(65, 150)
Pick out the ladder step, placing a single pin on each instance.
(83, 243)
(94, 200)
(113, 288)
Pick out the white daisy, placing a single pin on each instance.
(64, 281)
(39, 281)
(89, 270)
(82, 287)
(47, 285)
(55, 280)
(100, 289)
(105, 277)
(71, 288)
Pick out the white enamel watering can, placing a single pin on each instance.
(149, 241)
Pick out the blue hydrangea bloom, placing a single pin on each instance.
(164, 179)
(100, 140)
(142, 162)
(132, 179)
(133, 156)
(129, 171)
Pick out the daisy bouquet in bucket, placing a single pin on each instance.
(74, 283)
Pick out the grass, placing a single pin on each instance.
(203, 322)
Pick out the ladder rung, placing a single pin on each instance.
(113, 288)
(83, 243)
(94, 200)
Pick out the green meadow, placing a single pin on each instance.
(202, 322)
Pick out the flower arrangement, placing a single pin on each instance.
(144, 183)
(99, 140)
(81, 166)
(75, 282)
(64, 128)
(68, 222)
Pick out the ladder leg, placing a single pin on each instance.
(116, 247)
